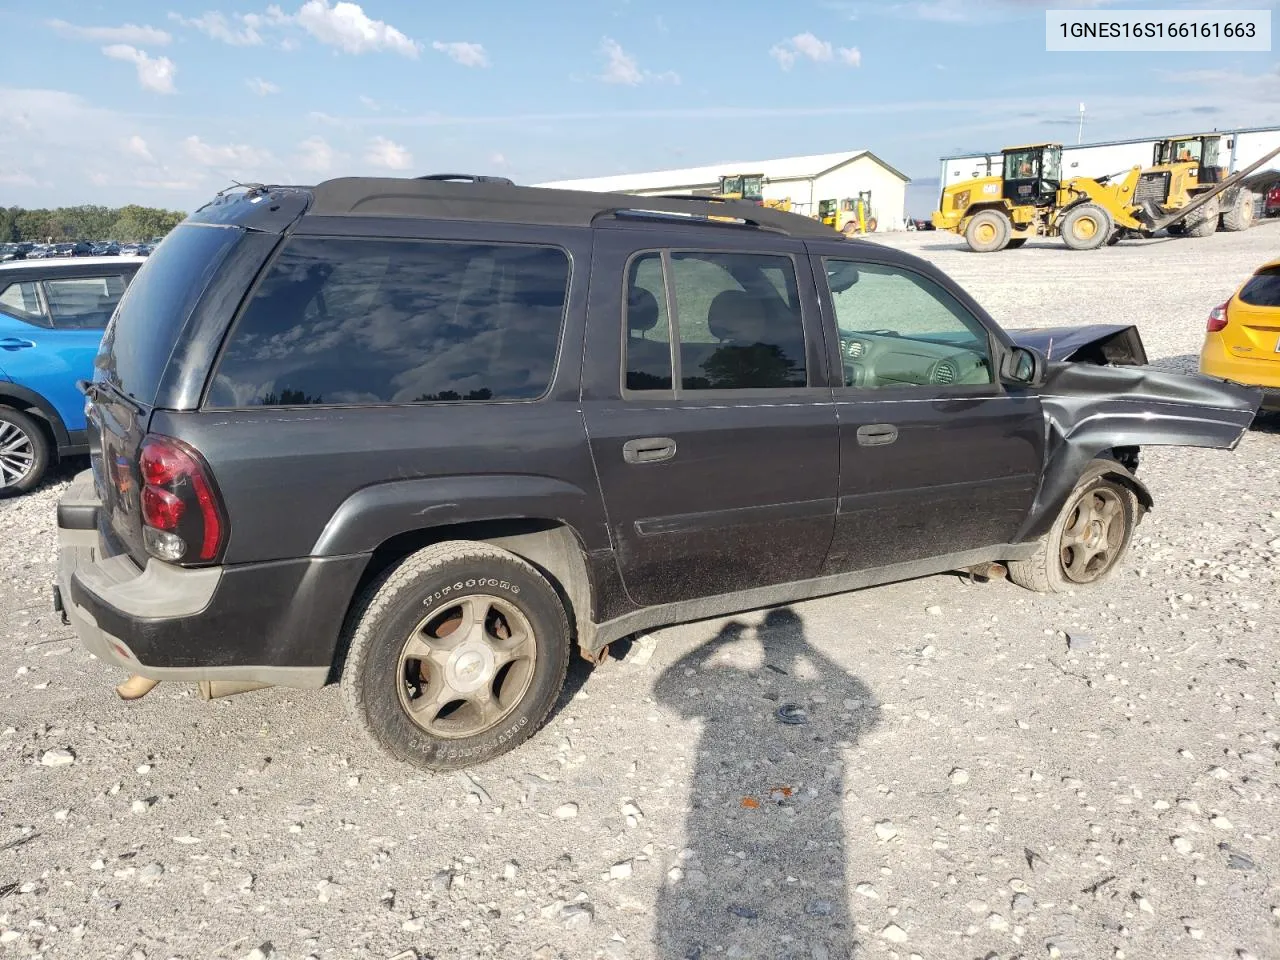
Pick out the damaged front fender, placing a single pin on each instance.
(1101, 343)
(1093, 411)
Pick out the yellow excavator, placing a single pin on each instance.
(1030, 198)
(850, 216)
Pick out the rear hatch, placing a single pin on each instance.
(1253, 317)
(132, 363)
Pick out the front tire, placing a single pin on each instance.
(988, 231)
(1086, 227)
(1087, 541)
(1203, 222)
(456, 655)
(24, 452)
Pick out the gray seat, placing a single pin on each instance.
(648, 361)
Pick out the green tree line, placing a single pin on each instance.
(88, 222)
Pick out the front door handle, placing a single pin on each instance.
(876, 434)
(14, 343)
(649, 450)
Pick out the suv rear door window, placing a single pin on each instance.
(738, 322)
(83, 303)
(356, 321)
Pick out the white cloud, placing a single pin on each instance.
(346, 26)
(315, 154)
(809, 47)
(386, 153)
(622, 68)
(498, 160)
(154, 73)
(127, 33)
(234, 157)
(216, 26)
(15, 177)
(261, 87)
(370, 103)
(467, 54)
(136, 147)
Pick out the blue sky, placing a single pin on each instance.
(164, 103)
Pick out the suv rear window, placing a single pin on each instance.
(357, 321)
(1263, 289)
(144, 330)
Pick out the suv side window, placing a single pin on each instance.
(356, 321)
(737, 326)
(900, 329)
(22, 302)
(83, 303)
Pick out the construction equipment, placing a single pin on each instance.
(742, 186)
(850, 216)
(750, 186)
(1030, 199)
(1234, 210)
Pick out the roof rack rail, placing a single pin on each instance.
(467, 177)
(499, 200)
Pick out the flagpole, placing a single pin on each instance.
(1080, 133)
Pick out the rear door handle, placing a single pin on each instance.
(876, 434)
(649, 450)
(14, 343)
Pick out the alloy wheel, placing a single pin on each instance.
(17, 454)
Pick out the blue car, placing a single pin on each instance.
(52, 315)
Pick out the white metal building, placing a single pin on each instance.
(1241, 148)
(804, 180)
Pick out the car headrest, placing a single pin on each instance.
(737, 317)
(642, 311)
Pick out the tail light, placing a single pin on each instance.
(182, 515)
(1217, 319)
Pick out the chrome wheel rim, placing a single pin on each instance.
(17, 454)
(466, 666)
(1093, 537)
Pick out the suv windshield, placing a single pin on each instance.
(155, 308)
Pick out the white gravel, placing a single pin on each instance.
(1087, 776)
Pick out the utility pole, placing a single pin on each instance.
(1080, 133)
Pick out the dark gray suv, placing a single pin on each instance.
(427, 437)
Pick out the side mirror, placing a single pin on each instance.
(1023, 367)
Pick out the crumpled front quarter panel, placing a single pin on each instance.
(1090, 409)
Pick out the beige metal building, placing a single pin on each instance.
(806, 181)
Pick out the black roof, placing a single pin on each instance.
(486, 199)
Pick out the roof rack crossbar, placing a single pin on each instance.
(490, 201)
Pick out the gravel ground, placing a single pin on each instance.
(984, 772)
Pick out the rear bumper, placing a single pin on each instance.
(1262, 372)
(274, 623)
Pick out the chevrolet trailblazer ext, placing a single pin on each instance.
(425, 437)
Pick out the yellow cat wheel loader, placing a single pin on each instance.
(749, 186)
(1234, 209)
(1031, 199)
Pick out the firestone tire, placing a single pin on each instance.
(478, 588)
(1100, 515)
(25, 452)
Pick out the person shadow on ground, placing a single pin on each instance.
(763, 870)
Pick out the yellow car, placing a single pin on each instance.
(1242, 337)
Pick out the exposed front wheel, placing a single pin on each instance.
(456, 656)
(1203, 221)
(1086, 542)
(24, 452)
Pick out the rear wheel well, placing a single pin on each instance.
(553, 548)
(41, 420)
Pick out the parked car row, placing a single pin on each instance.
(80, 248)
